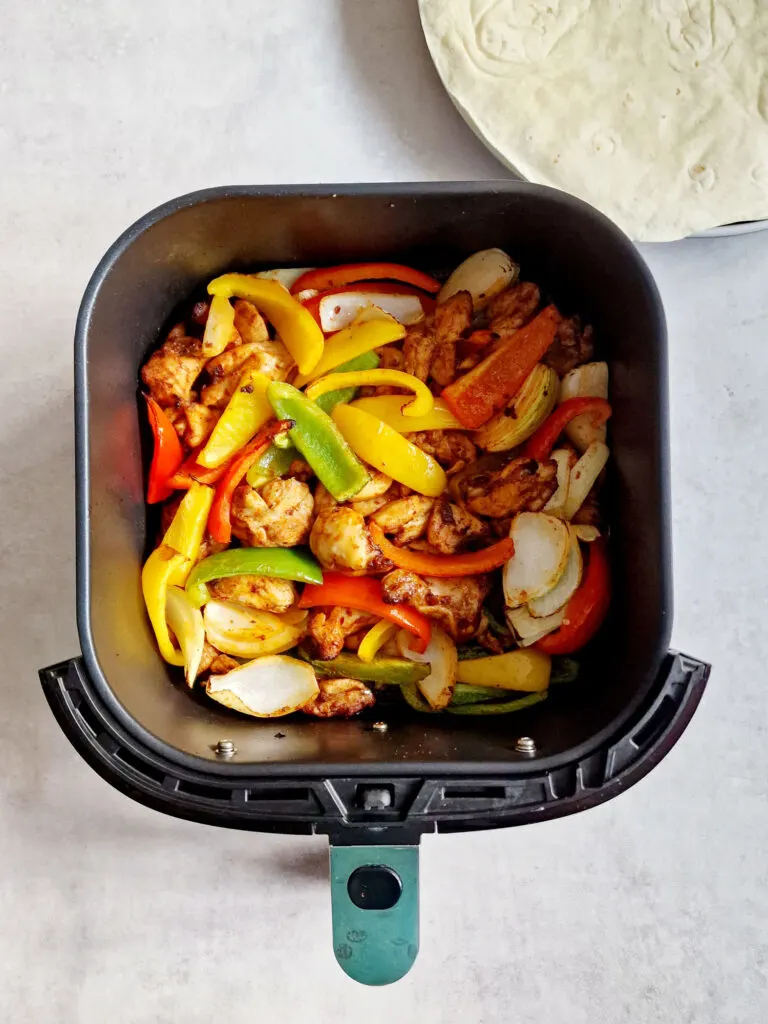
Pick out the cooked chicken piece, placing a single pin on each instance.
(264, 593)
(340, 540)
(378, 484)
(329, 627)
(573, 345)
(514, 307)
(367, 508)
(390, 358)
(215, 663)
(249, 323)
(453, 320)
(455, 603)
(278, 515)
(300, 470)
(522, 485)
(353, 641)
(201, 419)
(209, 546)
(406, 518)
(268, 357)
(178, 419)
(452, 448)
(170, 372)
(340, 698)
(451, 528)
(419, 348)
(323, 499)
(218, 394)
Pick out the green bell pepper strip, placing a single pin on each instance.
(468, 693)
(381, 670)
(503, 708)
(413, 698)
(281, 563)
(564, 670)
(320, 442)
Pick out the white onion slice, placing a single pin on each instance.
(443, 660)
(586, 533)
(187, 625)
(587, 381)
(483, 274)
(526, 627)
(583, 477)
(542, 543)
(559, 596)
(339, 309)
(247, 633)
(266, 688)
(286, 276)
(565, 459)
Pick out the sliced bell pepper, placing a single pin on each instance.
(470, 564)
(318, 439)
(389, 408)
(220, 327)
(329, 401)
(587, 609)
(501, 708)
(327, 278)
(219, 524)
(167, 456)
(525, 670)
(375, 639)
(161, 569)
(281, 563)
(394, 671)
(420, 405)
(275, 462)
(540, 444)
(365, 594)
(361, 336)
(390, 452)
(190, 471)
(488, 387)
(296, 327)
(247, 410)
(185, 534)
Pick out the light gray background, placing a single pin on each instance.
(649, 909)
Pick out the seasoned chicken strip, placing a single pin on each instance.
(340, 698)
(201, 419)
(573, 345)
(340, 540)
(406, 518)
(453, 321)
(455, 603)
(249, 322)
(278, 515)
(514, 307)
(264, 593)
(171, 372)
(522, 485)
(329, 627)
(451, 528)
(419, 348)
(452, 448)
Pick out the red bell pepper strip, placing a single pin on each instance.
(488, 387)
(586, 610)
(469, 564)
(167, 455)
(190, 471)
(540, 444)
(219, 522)
(326, 279)
(366, 594)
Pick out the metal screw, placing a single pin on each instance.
(225, 748)
(379, 726)
(525, 745)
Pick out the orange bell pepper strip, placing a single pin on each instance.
(540, 444)
(326, 279)
(488, 387)
(365, 594)
(190, 471)
(587, 608)
(469, 564)
(219, 522)
(167, 456)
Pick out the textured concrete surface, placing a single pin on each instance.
(650, 909)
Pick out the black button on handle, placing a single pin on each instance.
(374, 887)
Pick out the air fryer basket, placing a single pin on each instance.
(139, 729)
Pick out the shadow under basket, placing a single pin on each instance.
(373, 791)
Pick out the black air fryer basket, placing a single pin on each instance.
(373, 792)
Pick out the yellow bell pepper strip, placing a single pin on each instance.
(469, 564)
(219, 523)
(325, 278)
(527, 671)
(298, 331)
(187, 529)
(420, 405)
(361, 336)
(247, 410)
(329, 401)
(375, 639)
(389, 408)
(160, 570)
(382, 447)
(220, 327)
(187, 625)
(281, 563)
(318, 439)
(167, 456)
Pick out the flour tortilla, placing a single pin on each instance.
(654, 111)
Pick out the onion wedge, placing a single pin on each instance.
(583, 477)
(526, 628)
(542, 544)
(286, 276)
(565, 460)
(265, 688)
(483, 274)
(587, 381)
(186, 621)
(557, 598)
(246, 633)
(337, 310)
(443, 660)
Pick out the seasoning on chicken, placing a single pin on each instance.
(455, 603)
(268, 357)
(340, 540)
(171, 372)
(329, 627)
(453, 321)
(340, 698)
(514, 307)
(419, 348)
(264, 593)
(573, 345)
(278, 515)
(249, 322)
(452, 448)
(373, 494)
(201, 419)
(522, 485)
(451, 528)
(406, 518)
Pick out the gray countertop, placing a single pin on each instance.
(651, 908)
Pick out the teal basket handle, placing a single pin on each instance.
(375, 909)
